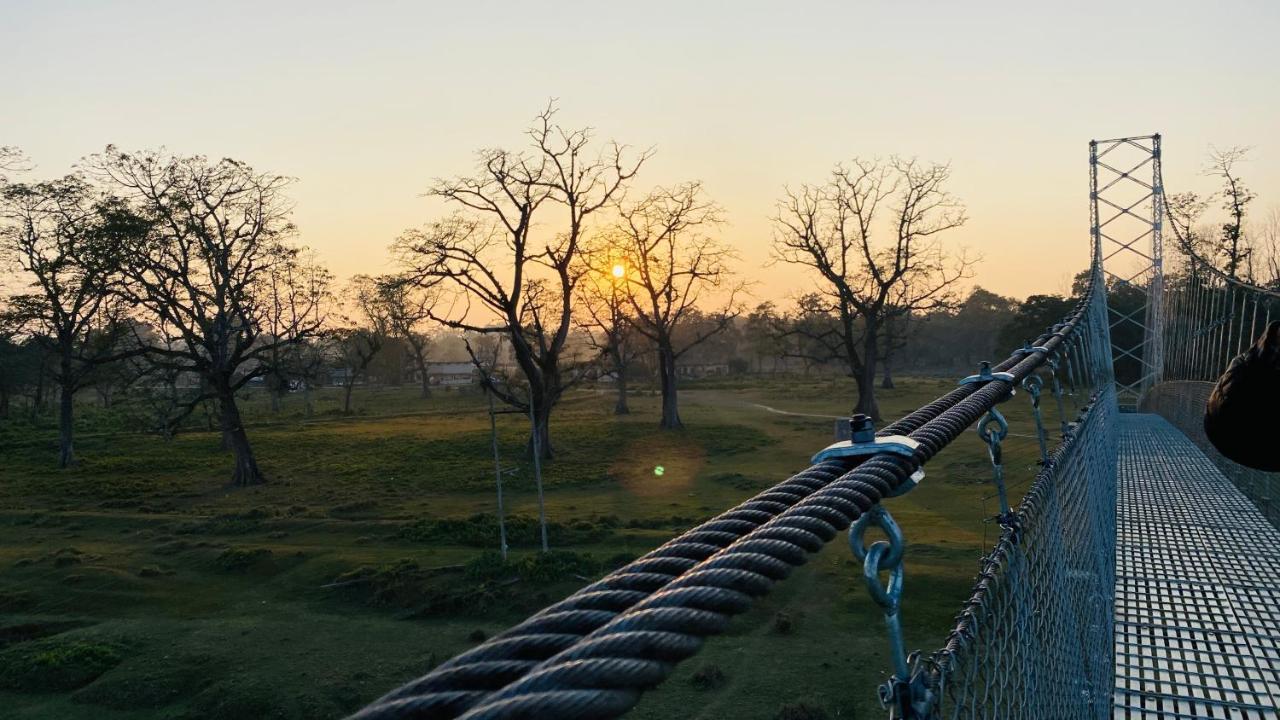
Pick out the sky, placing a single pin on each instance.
(366, 102)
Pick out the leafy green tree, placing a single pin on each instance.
(68, 241)
(203, 275)
(1031, 318)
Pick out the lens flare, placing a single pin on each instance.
(658, 470)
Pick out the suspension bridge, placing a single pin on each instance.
(1138, 577)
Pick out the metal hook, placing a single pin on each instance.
(1033, 384)
(996, 453)
(906, 693)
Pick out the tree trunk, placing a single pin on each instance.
(306, 398)
(66, 453)
(620, 407)
(37, 398)
(886, 382)
(421, 360)
(346, 398)
(4, 402)
(246, 466)
(275, 400)
(670, 398)
(620, 378)
(542, 425)
(866, 379)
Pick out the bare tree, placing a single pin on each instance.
(298, 293)
(203, 274)
(506, 273)
(409, 307)
(1231, 244)
(313, 363)
(367, 325)
(670, 265)
(1268, 241)
(603, 302)
(829, 228)
(896, 332)
(12, 160)
(762, 336)
(1185, 211)
(811, 333)
(69, 241)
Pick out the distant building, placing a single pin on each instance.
(451, 374)
(697, 371)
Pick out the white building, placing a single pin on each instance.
(451, 374)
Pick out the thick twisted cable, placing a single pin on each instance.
(457, 684)
(472, 677)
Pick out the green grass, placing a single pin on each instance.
(139, 585)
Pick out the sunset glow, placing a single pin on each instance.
(366, 108)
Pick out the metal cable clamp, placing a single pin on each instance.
(985, 375)
(863, 443)
(1027, 348)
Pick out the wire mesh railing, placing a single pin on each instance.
(1034, 640)
(1210, 319)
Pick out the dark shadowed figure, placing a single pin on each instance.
(1240, 417)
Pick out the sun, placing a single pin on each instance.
(619, 271)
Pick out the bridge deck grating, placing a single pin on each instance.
(1197, 586)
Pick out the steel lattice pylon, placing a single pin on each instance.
(1134, 267)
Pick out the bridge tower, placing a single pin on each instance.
(1126, 206)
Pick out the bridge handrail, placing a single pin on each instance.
(594, 653)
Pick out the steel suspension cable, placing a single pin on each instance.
(604, 675)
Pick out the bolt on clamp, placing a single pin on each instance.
(1027, 349)
(985, 375)
(864, 443)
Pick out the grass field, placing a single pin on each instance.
(139, 585)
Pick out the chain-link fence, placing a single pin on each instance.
(1035, 639)
(1210, 318)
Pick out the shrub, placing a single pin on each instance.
(522, 530)
(708, 677)
(801, 711)
(241, 559)
(396, 583)
(782, 623)
(485, 581)
(55, 665)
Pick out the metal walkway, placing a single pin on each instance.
(1197, 585)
